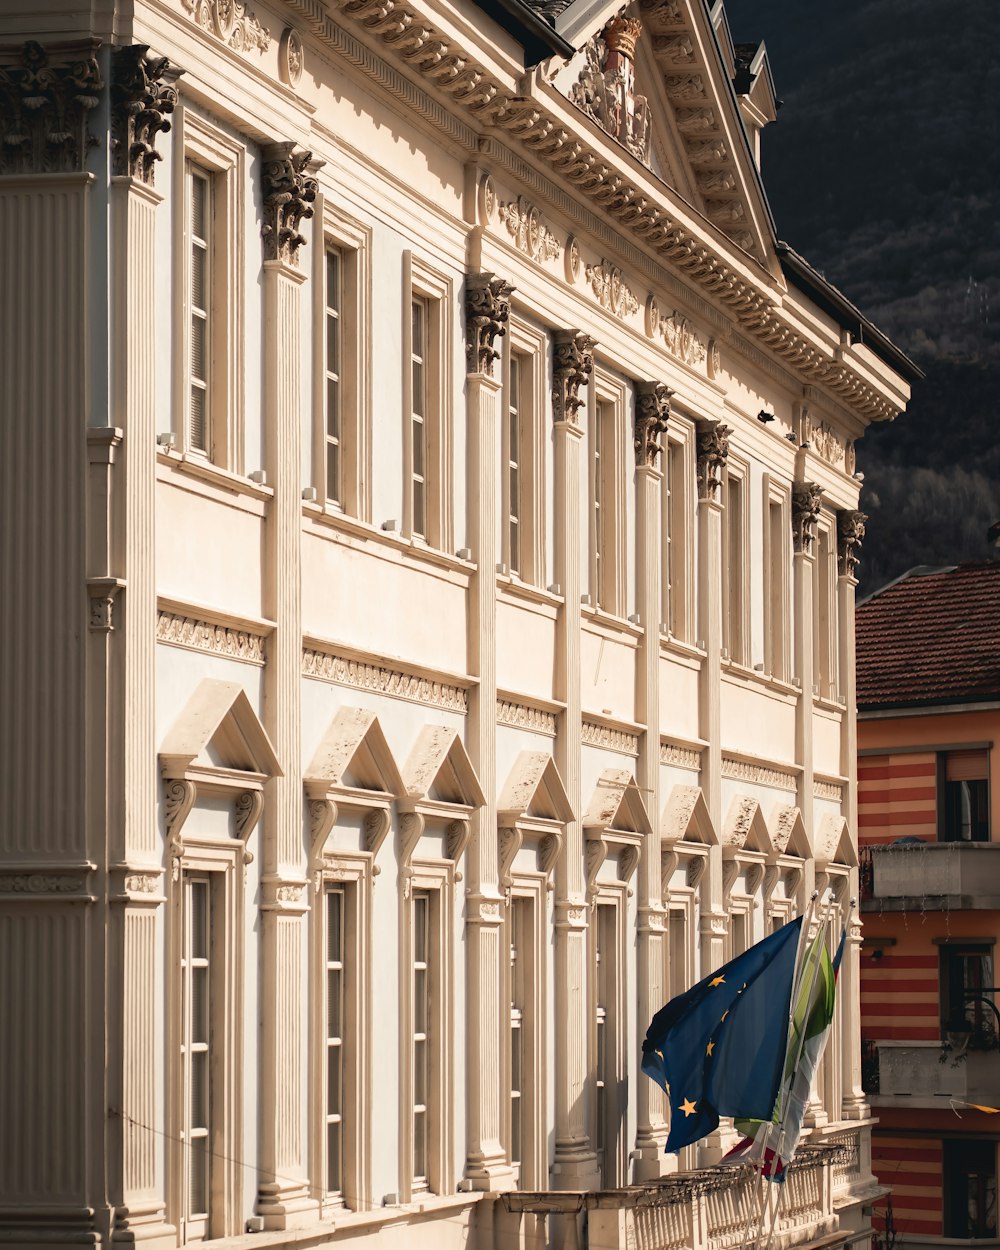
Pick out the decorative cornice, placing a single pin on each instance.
(46, 96)
(761, 774)
(530, 234)
(289, 190)
(713, 452)
(231, 21)
(143, 95)
(807, 499)
(612, 291)
(652, 412)
(680, 757)
(487, 311)
(364, 675)
(850, 535)
(62, 883)
(832, 790)
(596, 733)
(187, 631)
(572, 365)
(524, 716)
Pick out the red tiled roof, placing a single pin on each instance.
(931, 637)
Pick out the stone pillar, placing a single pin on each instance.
(487, 308)
(713, 452)
(55, 651)
(282, 1200)
(142, 98)
(575, 1164)
(850, 533)
(652, 414)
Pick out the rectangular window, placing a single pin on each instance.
(824, 615)
(336, 1002)
(677, 541)
(198, 1051)
(607, 1022)
(513, 452)
(426, 447)
(738, 930)
(970, 1189)
(334, 395)
(734, 572)
(967, 995)
(607, 504)
(422, 1036)
(520, 1010)
(201, 325)
(776, 580)
(677, 952)
(963, 796)
(418, 417)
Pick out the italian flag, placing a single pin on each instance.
(770, 1144)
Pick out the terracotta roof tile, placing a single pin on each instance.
(931, 637)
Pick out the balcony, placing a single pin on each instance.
(931, 876)
(928, 1074)
(702, 1210)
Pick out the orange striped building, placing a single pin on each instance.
(928, 651)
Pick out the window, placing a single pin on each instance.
(970, 1189)
(198, 1052)
(735, 570)
(964, 796)
(517, 398)
(777, 533)
(522, 532)
(422, 1035)
(201, 324)
(426, 1109)
(607, 499)
(426, 397)
(738, 930)
(333, 366)
(967, 993)
(825, 631)
(609, 1103)
(521, 977)
(336, 1003)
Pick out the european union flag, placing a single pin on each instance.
(719, 1048)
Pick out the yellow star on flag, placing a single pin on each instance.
(688, 1107)
(717, 981)
(711, 1047)
(724, 1014)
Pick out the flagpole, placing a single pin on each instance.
(755, 1208)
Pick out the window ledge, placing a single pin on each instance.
(187, 464)
(608, 621)
(518, 589)
(681, 648)
(333, 518)
(750, 676)
(826, 704)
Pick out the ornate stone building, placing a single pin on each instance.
(428, 494)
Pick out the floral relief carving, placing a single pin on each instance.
(291, 57)
(807, 498)
(186, 631)
(40, 883)
(599, 735)
(606, 90)
(529, 232)
(850, 535)
(826, 442)
(682, 757)
(329, 666)
(651, 416)
(572, 365)
(487, 310)
(142, 883)
(713, 453)
(572, 260)
(681, 340)
(231, 21)
(289, 192)
(143, 95)
(611, 289)
(46, 97)
(525, 717)
(761, 774)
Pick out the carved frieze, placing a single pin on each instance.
(826, 442)
(231, 21)
(291, 57)
(652, 412)
(186, 631)
(606, 90)
(612, 291)
(680, 757)
(46, 96)
(530, 234)
(289, 192)
(807, 498)
(850, 535)
(681, 339)
(523, 716)
(35, 883)
(713, 452)
(759, 774)
(328, 666)
(572, 365)
(487, 309)
(143, 96)
(596, 733)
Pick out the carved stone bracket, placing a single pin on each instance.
(651, 416)
(322, 818)
(850, 535)
(487, 310)
(713, 452)
(695, 871)
(807, 498)
(511, 839)
(179, 797)
(102, 592)
(377, 824)
(457, 839)
(572, 365)
(669, 859)
(46, 97)
(142, 97)
(549, 852)
(249, 806)
(730, 871)
(411, 828)
(289, 192)
(595, 855)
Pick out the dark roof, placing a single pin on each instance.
(533, 25)
(931, 637)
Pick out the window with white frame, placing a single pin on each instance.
(428, 1103)
(525, 1134)
(677, 530)
(608, 1021)
(777, 535)
(426, 444)
(607, 496)
(333, 366)
(520, 981)
(735, 568)
(522, 450)
(208, 325)
(336, 989)
(199, 1042)
(825, 631)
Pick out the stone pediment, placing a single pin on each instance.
(834, 844)
(218, 735)
(439, 771)
(686, 818)
(788, 833)
(745, 828)
(616, 818)
(354, 756)
(534, 791)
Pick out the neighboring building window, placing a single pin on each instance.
(735, 601)
(426, 443)
(677, 531)
(970, 1189)
(201, 942)
(964, 796)
(334, 395)
(336, 1005)
(607, 504)
(201, 324)
(967, 994)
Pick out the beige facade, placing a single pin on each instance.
(428, 525)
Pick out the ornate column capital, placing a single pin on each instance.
(46, 95)
(713, 452)
(143, 95)
(652, 412)
(572, 365)
(850, 535)
(487, 310)
(289, 192)
(806, 500)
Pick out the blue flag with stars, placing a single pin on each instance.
(719, 1048)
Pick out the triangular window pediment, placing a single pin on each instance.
(534, 791)
(219, 733)
(745, 828)
(834, 844)
(788, 833)
(439, 771)
(686, 817)
(617, 804)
